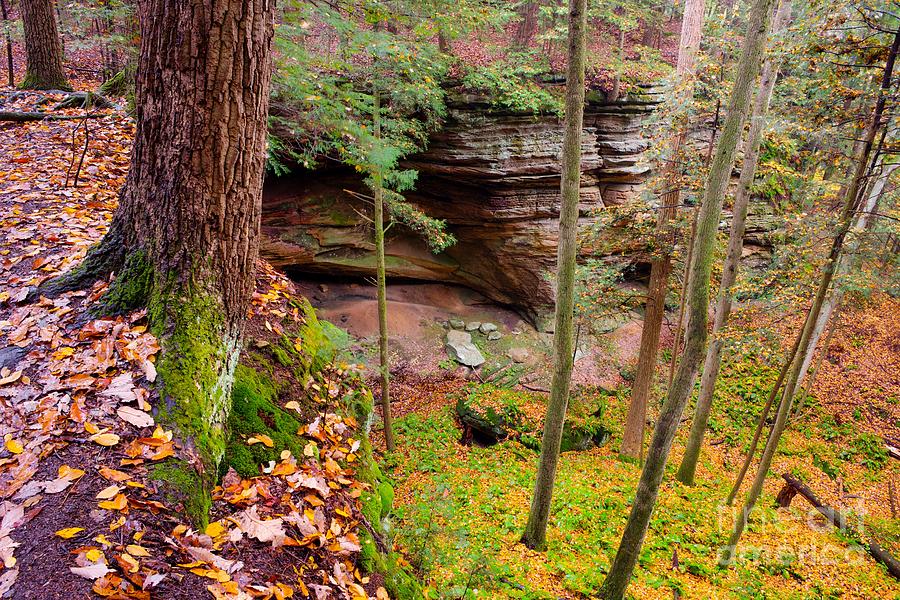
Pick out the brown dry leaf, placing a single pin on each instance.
(135, 417)
(268, 530)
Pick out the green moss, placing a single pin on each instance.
(386, 493)
(183, 485)
(281, 355)
(255, 410)
(194, 371)
(131, 288)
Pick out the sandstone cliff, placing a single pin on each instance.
(494, 176)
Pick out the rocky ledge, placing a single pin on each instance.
(493, 175)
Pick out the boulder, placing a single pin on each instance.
(486, 328)
(457, 324)
(494, 336)
(473, 326)
(460, 348)
(518, 355)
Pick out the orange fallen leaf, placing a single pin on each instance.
(105, 439)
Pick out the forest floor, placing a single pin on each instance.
(81, 455)
(461, 508)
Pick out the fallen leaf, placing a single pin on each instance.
(135, 417)
(261, 439)
(105, 439)
(14, 446)
(94, 571)
(69, 532)
(108, 492)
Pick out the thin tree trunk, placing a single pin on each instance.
(851, 203)
(661, 266)
(713, 360)
(528, 25)
(698, 304)
(184, 239)
(848, 263)
(536, 530)
(680, 325)
(43, 47)
(761, 423)
(9, 50)
(384, 361)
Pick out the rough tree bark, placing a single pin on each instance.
(43, 48)
(185, 238)
(660, 267)
(536, 530)
(852, 200)
(713, 359)
(10, 69)
(698, 304)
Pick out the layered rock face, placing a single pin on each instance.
(494, 176)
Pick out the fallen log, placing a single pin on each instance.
(794, 486)
(24, 117)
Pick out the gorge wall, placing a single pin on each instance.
(494, 176)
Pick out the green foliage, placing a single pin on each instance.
(512, 84)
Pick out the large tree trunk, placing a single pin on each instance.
(661, 266)
(184, 239)
(698, 304)
(852, 201)
(536, 529)
(43, 47)
(733, 259)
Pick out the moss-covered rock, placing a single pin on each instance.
(491, 413)
(255, 410)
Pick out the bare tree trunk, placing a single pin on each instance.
(528, 25)
(661, 266)
(43, 47)
(536, 530)
(761, 423)
(9, 49)
(383, 359)
(733, 259)
(184, 240)
(698, 304)
(852, 198)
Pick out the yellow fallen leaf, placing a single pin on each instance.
(14, 446)
(94, 555)
(108, 492)
(69, 532)
(105, 439)
(63, 352)
(117, 503)
(91, 428)
(101, 539)
(69, 472)
(215, 529)
(135, 550)
(261, 439)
